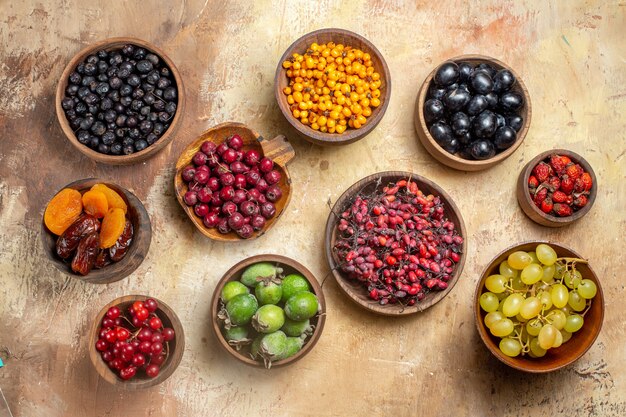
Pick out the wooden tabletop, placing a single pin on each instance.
(571, 57)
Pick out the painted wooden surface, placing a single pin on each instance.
(571, 57)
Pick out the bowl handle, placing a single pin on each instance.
(278, 149)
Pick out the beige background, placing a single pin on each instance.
(571, 56)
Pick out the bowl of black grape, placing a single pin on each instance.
(120, 101)
(472, 112)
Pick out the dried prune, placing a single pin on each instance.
(86, 254)
(71, 237)
(119, 249)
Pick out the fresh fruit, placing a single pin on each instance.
(302, 306)
(233, 289)
(272, 347)
(63, 210)
(268, 291)
(268, 319)
(241, 308)
(297, 328)
(293, 284)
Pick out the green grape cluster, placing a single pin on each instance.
(536, 301)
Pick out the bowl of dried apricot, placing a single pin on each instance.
(96, 230)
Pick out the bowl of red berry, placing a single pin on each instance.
(233, 183)
(556, 188)
(395, 242)
(137, 341)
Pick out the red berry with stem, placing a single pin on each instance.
(542, 171)
(156, 348)
(266, 165)
(142, 314)
(151, 304)
(557, 164)
(559, 197)
(562, 210)
(139, 360)
(128, 373)
(567, 184)
(532, 183)
(581, 201)
(252, 157)
(102, 345)
(152, 370)
(113, 312)
(168, 334)
(155, 323)
(208, 147)
(547, 205)
(122, 333)
(574, 171)
(235, 142)
(587, 181)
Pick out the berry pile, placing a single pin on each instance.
(120, 101)
(136, 341)
(231, 189)
(398, 243)
(558, 186)
(473, 110)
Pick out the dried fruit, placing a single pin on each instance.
(587, 181)
(542, 171)
(113, 198)
(69, 240)
(567, 184)
(533, 182)
(86, 254)
(63, 210)
(119, 249)
(559, 197)
(574, 171)
(547, 205)
(95, 203)
(562, 210)
(581, 201)
(557, 163)
(113, 226)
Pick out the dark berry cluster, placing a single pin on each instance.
(120, 101)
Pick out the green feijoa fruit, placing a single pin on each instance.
(232, 289)
(293, 284)
(268, 292)
(255, 346)
(296, 328)
(292, 346)
(241, 309)
(254, 273)
(302, 306)
(272, 347)
(237, 336)
(268, 319)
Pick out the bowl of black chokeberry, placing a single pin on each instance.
(472, 112)
(120, 101)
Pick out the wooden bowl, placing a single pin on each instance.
(176, 346)
(455, 161)
(568, 352)
(289, 267)
(278, 149)
(136, 253)
(163, 141)
(529, 207)
(353, 289)
(345, 37)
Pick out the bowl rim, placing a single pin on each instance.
(454, 161)
(229, 276)
(151, 150)
(372, 306)
(350, 135)
(528, 204)
(484, 335)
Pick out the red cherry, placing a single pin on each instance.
(152, 370)
(111, 336)
(142, 314)
(122, 333)
(156, 348)
(139, 360)
(155, 323)
(168, 334)
(113, 312)
(137, 305)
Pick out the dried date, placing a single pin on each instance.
(119, 249)
(70, 239)
(86, 254)
(103, 259)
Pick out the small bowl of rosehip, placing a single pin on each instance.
(556, 188)
(233, 183)
(472, 112)
(137, 341)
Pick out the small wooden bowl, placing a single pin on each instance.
(568, 352)
(454, 161)
(345, 37)
(353, 289)
(142, 235)
(163, 141)
(529, 207)
(289, 267)
(140, 381)
(278, 149)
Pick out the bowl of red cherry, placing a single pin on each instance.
(137, 341)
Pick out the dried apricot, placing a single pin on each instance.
(113, 198)
(63, 210)
(95, 203)
(112, 228)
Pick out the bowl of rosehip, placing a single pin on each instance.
(472, 112)
(395, 242)
(120, 101)
(96, 231)
(233, 183)
(556, 188)
(137, 341)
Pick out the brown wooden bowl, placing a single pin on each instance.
(532, 211)
(556, 358)
(163, 141)
(278, 149)
(455, 161)
(354, 290)
(138, 250)
(289, 267)
(345, 37)
(140, 381)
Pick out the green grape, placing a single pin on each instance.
(531, 307)
(541, 286)
(533, 327)
(502, 328)
(512, 305)
(517, 284)
(501, 304)
(548, 273)
(557, 318)
(559, 271)
(531, 274)
(572, 279)
(567, 310)
(547, 336)
(545, 299)
(489, 302)
(559, 295)
(502, 296)
(558, 341)
(535, 349)
(495, 283)
(574, 323)
(507, 271)
(492, 317)
(510, 347)
(519, 260)
(587, 289)
(546, 254)
(566, 335)
(533, 256)
(520, 319)
(576, 301)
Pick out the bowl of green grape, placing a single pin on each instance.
(538, 306)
